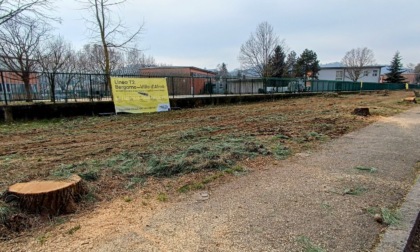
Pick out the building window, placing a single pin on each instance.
(375, 73)
(339, 75)
(366, 73)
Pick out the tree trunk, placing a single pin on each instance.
(361, 111)
(8, 115)
(47, 197)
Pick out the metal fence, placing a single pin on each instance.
(80, 87)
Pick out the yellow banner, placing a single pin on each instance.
(140, 95)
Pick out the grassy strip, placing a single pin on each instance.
(365, 168)
(218, 153)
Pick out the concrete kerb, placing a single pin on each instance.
(396, 237)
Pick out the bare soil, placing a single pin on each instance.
(137, 165)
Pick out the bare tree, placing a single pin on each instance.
(22, 10)
(19, 47)
(416, 70)
(136, 57)
(134, 60)
(410, 67)
(356, 60)
(92, 59)
(69, 76)
(53, 57)
(255, 54)
(109, 32)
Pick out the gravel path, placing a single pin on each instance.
(312, 200)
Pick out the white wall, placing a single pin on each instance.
(330, 74)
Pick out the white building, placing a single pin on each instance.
(339, 73)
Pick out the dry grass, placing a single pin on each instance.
(180, 151)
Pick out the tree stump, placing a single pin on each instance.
(361, 111)
(410, 100)
(416, 93)
(47, 197)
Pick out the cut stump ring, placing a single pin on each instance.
(48, 197)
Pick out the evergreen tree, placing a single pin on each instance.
(290, 64)
(395, 70)
(307, 63)
(222, 70)
(277, 65)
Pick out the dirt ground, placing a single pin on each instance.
(140, 165)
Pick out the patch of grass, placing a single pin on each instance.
(390, 217)
(300, 140)
(281, 152)
(373, 210)
(365, 168)
(326, 206)
(281, 136)
(8, 158)
(90, 196)
(58, 220)
(162, 197)
(315, 136)
(323, 127)
(215, 153)
(188, 135)
(42, 239)
(235, 170)
(90, 175)
(209, 129)
(212, 178)
(355, 191)
(191, 187)
(308, 245)
(127, 199)
(73, 229)
(135, 181)
(209, 153)
(5, 212)
(64, 171)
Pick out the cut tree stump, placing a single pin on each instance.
(47, 197)
(410, 99)
(361, 111)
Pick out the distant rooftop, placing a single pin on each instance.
(180, 67)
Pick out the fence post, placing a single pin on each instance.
(173, 87)
(211, 87)
(226, 86)
(4, 88)
(192, 86)
(90, 88)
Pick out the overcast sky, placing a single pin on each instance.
(204, 33)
